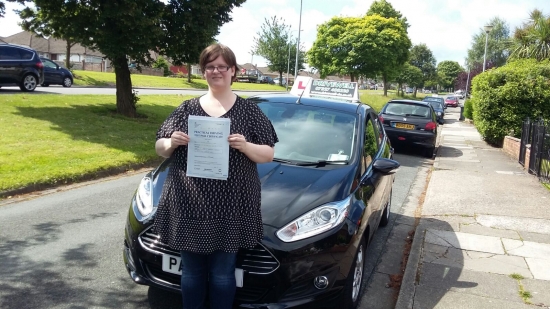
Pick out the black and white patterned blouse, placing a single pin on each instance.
(204, 215)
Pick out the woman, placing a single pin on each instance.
(208, 220)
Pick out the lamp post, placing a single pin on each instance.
(288, 61)
(487, 29)
(298, 44)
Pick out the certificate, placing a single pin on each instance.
(208, 148)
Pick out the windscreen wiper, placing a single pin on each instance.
(283, 161)
(322, 163)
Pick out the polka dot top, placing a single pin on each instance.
(204, 215)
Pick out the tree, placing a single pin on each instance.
(190, 26)
(421, 57)
(533, 39)
(273, 43)
(409, 75)
(368, 46)
(62, 27)
(475, 69)
(447, 73)
(131, 29)
(3, 6)
(385, 9)
(498, 42)
(161, 63)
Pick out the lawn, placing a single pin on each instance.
(50, 139)
(90, 78)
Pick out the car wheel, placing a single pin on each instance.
(67, 82)
(29, 83)
(45, 85)
(386, 214)
(429, 152)
(353, 288)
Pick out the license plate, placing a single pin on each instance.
(404, 126)
(172, 264)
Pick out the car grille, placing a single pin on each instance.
(257, 260)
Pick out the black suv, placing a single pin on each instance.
(21, 66)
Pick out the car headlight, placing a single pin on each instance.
(144, 197)
(316, 221)
(438, 113)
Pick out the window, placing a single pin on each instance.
(26, 54)
(49, 64)
(9, 53)
(370, 146)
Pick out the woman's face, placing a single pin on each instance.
(218, 74)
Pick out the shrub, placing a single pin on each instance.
(163, 64)
(503, 97)
(468, 109)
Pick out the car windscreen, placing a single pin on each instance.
(311, 134)
(407, 110)
(435, 104)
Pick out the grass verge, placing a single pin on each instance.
(101, 79)
(49, 140)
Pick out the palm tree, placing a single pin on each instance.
(533, 39)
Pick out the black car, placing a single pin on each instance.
(55, 74)
(21, 66)
(439, 107)
(409, 122)
(324, 195)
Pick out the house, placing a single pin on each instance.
(81, 57)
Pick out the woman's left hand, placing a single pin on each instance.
(237, 141)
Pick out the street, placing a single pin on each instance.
(64, 250)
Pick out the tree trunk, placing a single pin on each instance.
(385, 79)
(125, 104)
(352, 77)
(399, 87)
(189, 72)
(281, 78)
(68, 55)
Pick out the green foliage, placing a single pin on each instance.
(3, 6)
(498, 42)
(468, 109)
(368, 46)
(409, 75)
(273, 43)
(533, 39)
(163, 64)
(422, 57)
(503, 97)
(385, 9)
(447, 72)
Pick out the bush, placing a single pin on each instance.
(502, 98)
(468, 109)
(163, 64)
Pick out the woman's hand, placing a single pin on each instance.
(179, 139)
(237, 141)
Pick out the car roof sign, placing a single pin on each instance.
(330, 89)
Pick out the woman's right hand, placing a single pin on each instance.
(179, 139)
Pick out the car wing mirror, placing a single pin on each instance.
(385, 166)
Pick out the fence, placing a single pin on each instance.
(537, 134)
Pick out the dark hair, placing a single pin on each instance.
(213, 51)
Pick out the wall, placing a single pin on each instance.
(511, 147)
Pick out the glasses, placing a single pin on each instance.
(221, 69)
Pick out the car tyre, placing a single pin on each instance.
(29, 83)
(386, 214)
(67, 82)
(354, 283)
(429, 152)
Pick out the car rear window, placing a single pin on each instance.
(308, 133)
(407, 110)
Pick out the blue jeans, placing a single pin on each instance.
(215, 271)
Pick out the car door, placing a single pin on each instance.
(372, 182)
(9, 65)
(52, 73)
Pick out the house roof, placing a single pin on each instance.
(50, 45)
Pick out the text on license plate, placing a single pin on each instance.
(404, 126)
(172, 264)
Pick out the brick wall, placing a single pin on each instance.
(511, 147)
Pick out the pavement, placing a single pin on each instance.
(483, 233)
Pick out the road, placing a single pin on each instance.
(112, 91)
(64, 250)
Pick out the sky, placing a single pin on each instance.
(445, 26)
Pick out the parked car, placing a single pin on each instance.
(409, 90)
(438, 104)
(451, 100)
(54, 74)
(21, 66)
(267, 80)
(460, 94)
(324, 195)
(276, 81)
(409, 122)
